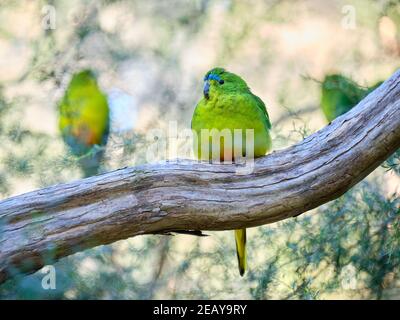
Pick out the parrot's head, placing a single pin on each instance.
(83, 78)
(219, 81)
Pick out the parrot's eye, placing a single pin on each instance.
(221, 81)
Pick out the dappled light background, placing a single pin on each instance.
(150, 58)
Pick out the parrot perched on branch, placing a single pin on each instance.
(229, 104)
(84, 120)
(339, 94)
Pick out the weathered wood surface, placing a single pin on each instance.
(186, 195)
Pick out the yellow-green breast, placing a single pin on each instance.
(233, 111)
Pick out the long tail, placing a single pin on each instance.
(90, 162)
(240, 237)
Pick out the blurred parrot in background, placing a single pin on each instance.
(229, 104)
(339, 94)
(84, 120)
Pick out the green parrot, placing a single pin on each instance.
(84, 120)
(229, 104)
(339, 94)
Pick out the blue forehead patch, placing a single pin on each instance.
(212, 76)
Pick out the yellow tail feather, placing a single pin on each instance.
(240, 237)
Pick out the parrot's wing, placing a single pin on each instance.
(261, 105)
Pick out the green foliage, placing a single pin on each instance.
(393, 163)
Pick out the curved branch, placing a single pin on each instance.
(186, 195)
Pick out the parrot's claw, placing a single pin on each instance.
(197, 233)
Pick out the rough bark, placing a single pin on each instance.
(54, 222)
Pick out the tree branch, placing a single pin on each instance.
(54, 222)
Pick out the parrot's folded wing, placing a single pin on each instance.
(262, 106)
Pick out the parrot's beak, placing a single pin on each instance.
(206, 89)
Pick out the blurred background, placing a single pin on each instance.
(309, 61)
